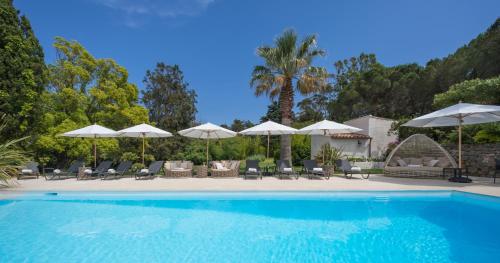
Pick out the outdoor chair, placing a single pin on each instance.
(178, 169)
(97, 172)
(252, 169)
(311, 169)
(120, 171)
(348, 170)
(225, 169)
(29, 170)
(153, 169)
(72, 171)
(284, 170)
(497, 170)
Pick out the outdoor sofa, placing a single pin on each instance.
(178, 168)
(418, 156)
(225, 169)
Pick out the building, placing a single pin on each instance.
(371, 142)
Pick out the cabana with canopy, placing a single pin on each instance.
(418, 156)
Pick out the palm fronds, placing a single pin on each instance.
(11, 158)
(289, 60)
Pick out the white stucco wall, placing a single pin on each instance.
(350, 147)
(375, 127)
(379, 129)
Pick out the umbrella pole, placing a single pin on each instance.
(143, 143)
(268, 135)
(460, 143)
(95, 154)
(207, 150)
(324, 148)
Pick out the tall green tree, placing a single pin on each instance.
(22, 73)
(478, 91)
(288, 68)
(314, 108)
(171, 104)
(85, 90)
(273, 112)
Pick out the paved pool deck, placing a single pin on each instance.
(374, 183)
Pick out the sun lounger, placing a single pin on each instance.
(284, 169)
(29, 170)
(97, 172)
(72, 171)
(119, 172)
(153, 169)
(311, 169)
(252, 169)
(348, 170)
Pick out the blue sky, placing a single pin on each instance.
(214, 41)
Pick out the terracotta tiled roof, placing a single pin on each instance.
(350, 136)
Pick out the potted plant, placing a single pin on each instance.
(327, 157)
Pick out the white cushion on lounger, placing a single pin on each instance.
(111, 171)
(252, 170)
(402, 163)
(57, 171)
(433, 163)
(26, 171)
(219, 166)
(414, 165)
(356, 169)
(178, 169)
(87, 171)
(318, 169)
(287, 169)
(144, 171)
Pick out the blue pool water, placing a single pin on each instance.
(251, 227)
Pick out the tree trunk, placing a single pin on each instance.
(286, 105)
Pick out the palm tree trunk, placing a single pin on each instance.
(286, 105)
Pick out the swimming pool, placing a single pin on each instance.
(436, 226)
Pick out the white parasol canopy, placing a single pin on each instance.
(458, 115)
(207, 131)
(143, 131)
(269, 128)
(92, 131)
(326, 128)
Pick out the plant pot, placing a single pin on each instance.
(328, 169)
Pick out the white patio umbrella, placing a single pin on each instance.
(458, 115)
(327, 128)
(207, 131)
(143, 131)
(269, 128)
(92, 131)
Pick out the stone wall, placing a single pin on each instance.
(478, 158)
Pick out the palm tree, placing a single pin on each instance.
(288, 64)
